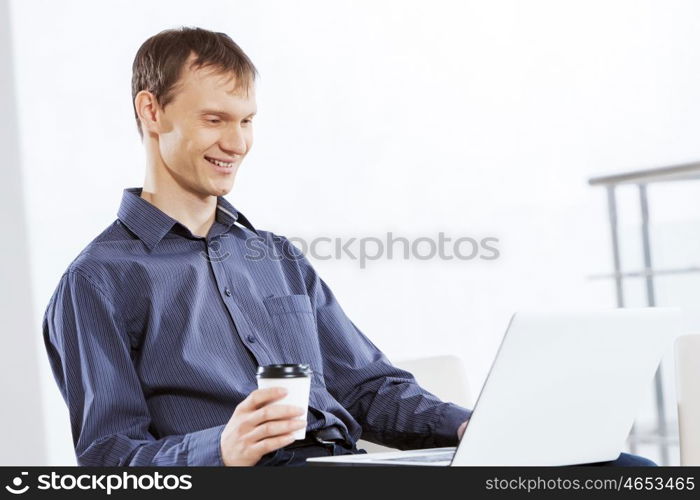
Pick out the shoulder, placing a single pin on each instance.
(96, 262)
(95, 270)
(270, 245)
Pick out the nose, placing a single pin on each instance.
(233, 141)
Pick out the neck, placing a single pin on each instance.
(194, 211)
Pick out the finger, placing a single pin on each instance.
(261, 397)
(274, 428)
(271, 444)
(274, 412)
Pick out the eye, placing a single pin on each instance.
(248, 120)
(214, 120)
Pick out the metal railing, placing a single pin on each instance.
(642, 178)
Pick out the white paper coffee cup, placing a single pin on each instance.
(296, 379)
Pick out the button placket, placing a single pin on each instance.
(242, 326)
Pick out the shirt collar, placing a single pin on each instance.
(151, 224)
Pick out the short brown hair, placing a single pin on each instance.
(160, 60)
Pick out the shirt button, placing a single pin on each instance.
(251, 339)
(227, 291)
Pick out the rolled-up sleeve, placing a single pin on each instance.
(386, 401)
(90, 355)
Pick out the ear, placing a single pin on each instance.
(149, 112)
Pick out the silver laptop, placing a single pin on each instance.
(564, 389)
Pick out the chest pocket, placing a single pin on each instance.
(296, 335)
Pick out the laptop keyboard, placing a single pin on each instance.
(433, 457)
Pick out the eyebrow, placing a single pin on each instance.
(222, 114)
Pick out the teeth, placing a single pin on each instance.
(220, 163)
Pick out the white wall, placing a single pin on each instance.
(477, 118)
(20, 389)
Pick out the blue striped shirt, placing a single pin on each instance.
(154, 336)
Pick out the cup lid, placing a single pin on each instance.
(284, 371)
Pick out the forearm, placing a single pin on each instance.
(199, 448)
(396, 411)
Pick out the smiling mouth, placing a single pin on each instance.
(219, 163)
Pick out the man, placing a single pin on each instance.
(156, 329)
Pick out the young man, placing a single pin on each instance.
(156, 329)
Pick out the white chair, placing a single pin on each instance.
(443, 376)
(688, 397)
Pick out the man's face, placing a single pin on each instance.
(206, 123)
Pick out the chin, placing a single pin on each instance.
(221, 190)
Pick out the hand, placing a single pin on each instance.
(257, 427)
(460, 431)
